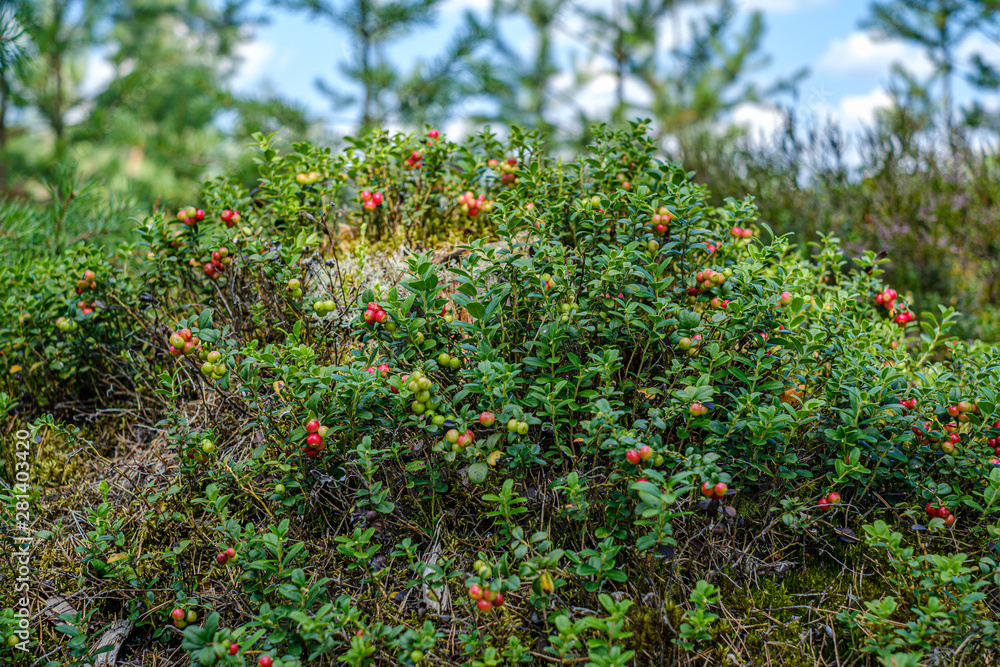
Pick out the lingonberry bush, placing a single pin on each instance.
(428, 402)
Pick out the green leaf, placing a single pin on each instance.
(478, 472)
(476, 309)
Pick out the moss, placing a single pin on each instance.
(649, 631)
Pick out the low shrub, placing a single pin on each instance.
(610, 424)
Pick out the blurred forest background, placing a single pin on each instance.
(921, 182)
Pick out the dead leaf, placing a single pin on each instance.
(846, 534)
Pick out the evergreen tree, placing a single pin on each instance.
(711, 73)
(425, 93)
(156, 126)
(15, 21)
(940, 28)
(522, 88)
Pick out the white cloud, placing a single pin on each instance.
(758, 119)
(254, 58)
(460, 6)
(850, 112)
(592, 87)
(863, 53)
(857, 110)
(780, 6)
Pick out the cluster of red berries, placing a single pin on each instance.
(223, 557)
(371, 200)
(87, 282)
(716, 491)
(415, 161)
(994, 443)
(643, 453)
(611, 296)
(904, 317)
(471, 205)
(87, 308)
(719, 303)
(832, 498)
(459, 441)
(661, 219)
(315, 432)
(384, 369)
(307, 178)
(886, 298)
(961, 410)
(220, 260)
(707, 279)
(697, 410)
(190, 216)
(432, 135)
(485, 598)
(374, 314)
(507, 169)
(182, 342)
(909, 404)
(182, 618)
(942, 512)
(951, 440)
(710, 247)
(741, 232)
(231, 218)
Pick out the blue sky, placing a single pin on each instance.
(849, 65)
